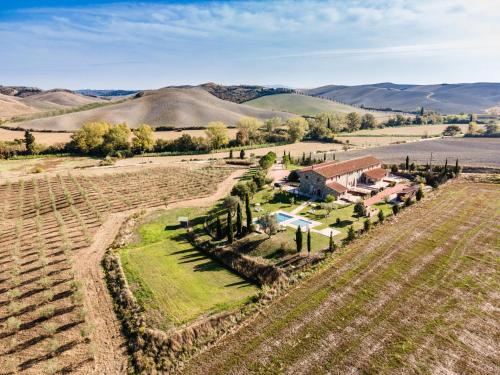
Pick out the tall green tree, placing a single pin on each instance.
(331, 244)
(239, 220)
(230, 233)
(231, 154)
(242, 154)
(29, 140)
(351, 235)
(360, 209)
(420, 194)
(218, 228)
(353, 121)
(381, 216)
(457, 169)
(446, 166)
(367, 225)
(309, 241)
(407, 164)
(248, 213)
(298, 239)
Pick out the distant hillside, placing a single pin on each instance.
(106, 93)
(22, 101)
(241, 93)
(306, 105)
(172, 107)
(442, 98)
(19, 91)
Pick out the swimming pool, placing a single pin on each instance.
(301, 223)
(281, 217)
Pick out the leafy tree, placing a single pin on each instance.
(217, 134)
(491, 129)
(218, 228)
(143, 140)
(269, 224)
(328, 207)
(368, 121)
(329, 198)
(116, 138)
(29, 140)
(360, 209)
(420, 194)
(381, 216)
(248, 213)
(267, 160)
(230, 233)
(351, 235)
(353, 121)
(230, 203)
(90, 137)
(473, 128)
(452, 130)
(241, 190)
(309, 241)
(272, 124)
(394, 168)
(297, 128)
(367, 225)
(248, 130)
(239, 220)
(298, 239)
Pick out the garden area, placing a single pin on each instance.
(174, 282)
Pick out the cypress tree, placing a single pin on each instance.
(309, 241)
(324, 156)
(230, 234)
(248, 213)
(239, 220)
(381, 216)
(298, 239)
(446, 166)
(29, 140)
(331, 245)
(242, 154)
(231, 154)
(420, 194)
(218, 229)
(457, 168)
(367, 225)
(350, 234)
(328, 124)
(407, 163)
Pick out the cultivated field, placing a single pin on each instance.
(416, 295)
(175, 282)
(55, 313)
(308, 105)
(414, 130)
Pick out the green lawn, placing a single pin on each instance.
(174, 282)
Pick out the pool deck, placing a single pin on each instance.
(289, 223)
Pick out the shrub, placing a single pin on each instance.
(395, 209)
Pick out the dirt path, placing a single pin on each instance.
(110, 345)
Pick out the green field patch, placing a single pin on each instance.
(174, 282)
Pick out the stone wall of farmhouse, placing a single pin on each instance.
(312, 182)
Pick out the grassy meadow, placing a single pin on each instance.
(174, 282)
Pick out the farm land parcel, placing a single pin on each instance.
(174, 282)
(415, 295)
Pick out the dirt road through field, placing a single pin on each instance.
(110, 346)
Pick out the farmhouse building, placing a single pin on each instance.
(336, 178)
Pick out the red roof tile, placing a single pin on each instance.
(376, 174)
(333, 168)
(337, 187)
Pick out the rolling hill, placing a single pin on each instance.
(442, 98)
(306, 105)
(26, 101)
(171, 107)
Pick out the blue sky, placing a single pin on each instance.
(299, 43)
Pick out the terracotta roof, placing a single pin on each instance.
(337, 187)
(332, 168)
(385, 193)
(376, 174)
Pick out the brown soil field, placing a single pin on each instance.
(47, 139)
(410, 130)
(418, 294)
(55, 313)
